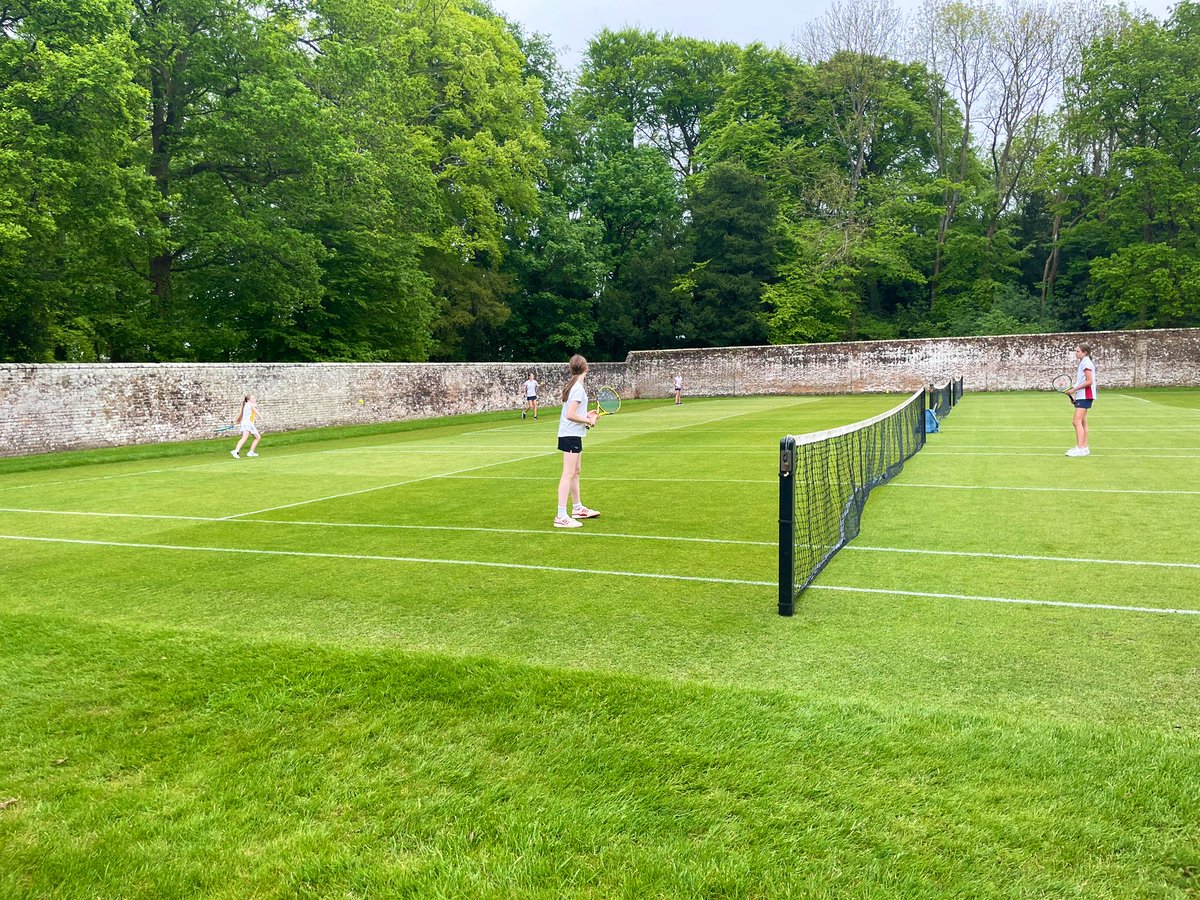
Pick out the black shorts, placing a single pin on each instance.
(570, 444)
(531, 399)
(1082, 404)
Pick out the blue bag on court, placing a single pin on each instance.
(931, 421)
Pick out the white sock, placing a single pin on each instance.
(562, 512)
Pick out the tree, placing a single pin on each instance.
(661, 84)
(72, 202)
(734, 249)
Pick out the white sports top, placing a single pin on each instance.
(1087, 393)
(678, 382)
(567, 428)
(531, 388)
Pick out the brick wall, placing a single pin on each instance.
(1168, 357)
(61, 407)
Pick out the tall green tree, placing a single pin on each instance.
(662, 84)
(734, 253)
(72, 202)
(1142, 92)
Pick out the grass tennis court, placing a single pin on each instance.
(365, 665)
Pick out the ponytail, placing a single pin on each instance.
(578, 369)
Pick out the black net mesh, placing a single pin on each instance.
(824, 480)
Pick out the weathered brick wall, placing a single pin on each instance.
(64, 407)
(60, 407)
(1016, 362)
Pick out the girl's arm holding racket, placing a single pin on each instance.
(587, 419)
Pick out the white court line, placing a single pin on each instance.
(390, 525)
(802, 481)
(17, 487)
(485, 466)
(1017, 600)
(917, 551)
(935, 452)
(1024, 557)
(580, 571)
(1106, 450)
(591, 478)
(763, 450)
(1007, 487)
(383, 487)
(403, 559)
(1190, 409)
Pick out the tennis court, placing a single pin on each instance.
(993, 690)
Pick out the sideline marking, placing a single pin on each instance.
(18, 487)
(579, 571)
(404, 559)
(1111, 606)
(383, 487)
(1007, 487)
(915, 551)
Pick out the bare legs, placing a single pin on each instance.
(568, 484)
(1081, 428)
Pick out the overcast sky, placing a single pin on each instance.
(570, 23)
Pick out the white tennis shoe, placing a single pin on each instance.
(1077, 451)
(566, 522)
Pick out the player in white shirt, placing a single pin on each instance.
(573, 423)
(530, 387)
(678, 389)
(1083, 393)
(246, 422)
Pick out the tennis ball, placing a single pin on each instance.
(361, 401)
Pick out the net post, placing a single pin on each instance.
(787, 525)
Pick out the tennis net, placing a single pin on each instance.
(824, 480)
(941, 399)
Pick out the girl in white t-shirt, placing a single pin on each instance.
(245, 421)
(531, 388)
(1082, 394)
(678, 389)
(573, 423)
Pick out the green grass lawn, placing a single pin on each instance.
(364, 664)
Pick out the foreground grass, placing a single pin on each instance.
(151, 764)
(296, 676)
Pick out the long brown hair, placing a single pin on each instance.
(578, 368)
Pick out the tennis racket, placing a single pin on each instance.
(607, 401)
(221, 429)
(1063, 383)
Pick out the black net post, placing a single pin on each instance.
(787, 525)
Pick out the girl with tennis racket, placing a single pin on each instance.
(573, 423)
(1082, 393)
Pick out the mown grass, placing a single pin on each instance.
(185, 723)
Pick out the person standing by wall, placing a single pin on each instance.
(531, 396)
(1082, 394)
(573, 423)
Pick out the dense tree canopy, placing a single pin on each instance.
(420, 179)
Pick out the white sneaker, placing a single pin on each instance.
(252, 453)
(566, 522)
(234, 454)
(1086, 452)
(1075, 451)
